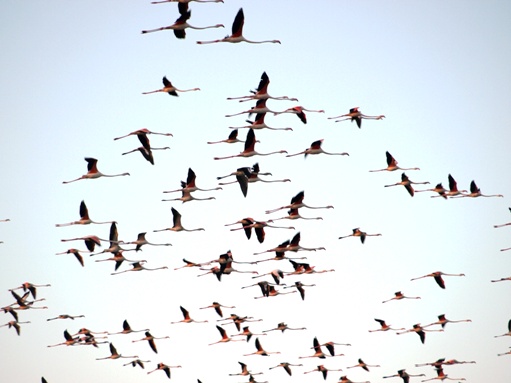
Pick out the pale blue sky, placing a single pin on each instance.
(72, 77)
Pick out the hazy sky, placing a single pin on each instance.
(72, 75)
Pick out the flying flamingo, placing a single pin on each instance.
(137, 362)
(252, 176)
(246, 332)
(187, 318)
(305, 268)
(261, 350)
(419, 330)
(392, 165)
(84, 218)
(261, 93)
(276, 274)
(297, 202)
(163, 367)
(231, 139)
(91, 241)
(453, 188)
(442, 321)
(258, 227)
(259, 108)
(323, 370)
(126, 329)
(272, 292)
(66, 316)
(114, 354)
(190, 185)
(70, 341)
(249, 150)
(218, 308)
(76, 253)
(361, 234)
(113, 238)
(505, 353)
(318, 352)
(364, 365)
(119, 258)
(403, 375)
(357, 116)
(315, 148)
(245, 371)
(258, 123)
(9, 309)
(476, 192)
(31, 287)
(344, 379)
(150, 339)
(441, 376)
(280, 252)
(177, 223)
(442, 192)
(15, 324)
(299, 286)
(140, 133)
(225, 338)
(146, 153)
(180, 25)
(23, 304)
(405, 181)
(187, 196)
(137, 266)
(237, 320)
(141, 240)
(286, 366)
(215, 271)
(294, 245)
(504, 224)
(93, 172)
(508, 333)
(398, 296)
(283, 327)
(170, 89)
(300, 112)
(237, 33)
(330, 346)
(437, 275)
(502, 279)
(294, 214)
(385, 326)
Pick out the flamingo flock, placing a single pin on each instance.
(279, 282)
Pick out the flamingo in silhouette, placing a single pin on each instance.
(245, 371)
(364, 365)
(392, 165)
(315, 148)
(407, 183)
(442, 192)
(287, 367)
(300, 112)
(249, 150)
(403, 375)
(66, 316)
(357, 116)
(150, 339)
(177, 223)
(15, 324)
(508, 333)
(76, 253)
(137, 362)
(261, 93)
(93, 172)
(323, 370)
(126, 329)
(164, 367)
(218, 308)
(258, 123)
(237, 33)
(225, 337)
(398, 295)
(84, 218)
(252, 176)
(142, 134)
(437, 276)
(9, 309)
(476, 192)
(141, 241)
(296, 203)
(23, 303)
(187, 318)
(419, 330)
(442, 321)
(441, 376)
(91, 241)
(385, 326)
(114, 354)
(283, 327)
(231, 139)
(170, 89)
(180, 25)
(362, 234)
(261, 350)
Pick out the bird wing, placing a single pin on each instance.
(263, 84)
(439, 280)
(84, 213)
(237, 25)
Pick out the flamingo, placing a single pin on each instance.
(164, 367)
(76, 253)
(31, 287)
(187, 196)
(261, 93)
(237, 33)
(364, 365)
(505, 353)
(189, 264)
(504, 224)
(93, 172)
(403, 375)
(357, 116)
(246, 332)
(392, 165)
(318, 352)
(170, 89)
(476, 192)
(508, 333)
(502, 279)
(84, 218)
(87, 332)
(258, 227)
(441, 376)
(237, 320)
(215, 271)
(419, 330)
(315, 148)
(119, 258)
(437, 275)
(245, 371)
(258, 123)
(358, 233)
(126, 329)
(442, 321)
(251, 176)
(299, 286)
(16, 325)
(141, 240)
(181, 23)
(9, 309)
(305, 268)
(141, 133)
(70, 341)
(442, 192)
(344, 379)
(23, 304)
(439, 362)
(249, 150)
(146, 153)
(294, 214)
(225, 338)
(385, 326)
(251, 379)
(283, 327)
(330, 346)
(231, 139)
(272, 292)
(113, 238)
(260, 107)
(150, 339)
(218, 308)
(398, 296)
(187, 318)
(91, 241)
(296, 203)
(300, 112)
(114, 354)
(280, 251)
(294, 245)
(261, 350)
(453, 188)
(276, 274)
(286, 366)
(323, 370)
(177, 223)
(405, 181)
(137, 362)
(66, 316)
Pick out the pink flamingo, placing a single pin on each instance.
(261, 93)
(357, 116)
(93, 172)
(170, 89)
(392, 165)
(315, 148)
